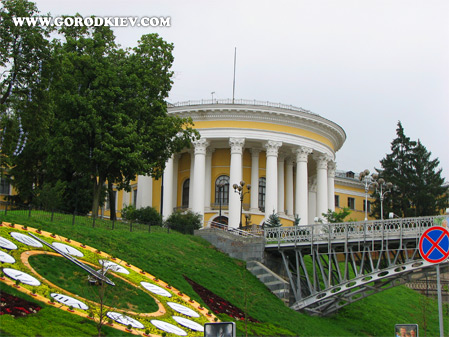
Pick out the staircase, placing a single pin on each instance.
(274, 282)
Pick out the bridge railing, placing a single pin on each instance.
(399, 228)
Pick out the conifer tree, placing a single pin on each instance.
(418, 186)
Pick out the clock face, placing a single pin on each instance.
(125, 320)
(5, 243)
(170, 328)
(16, 247)
(113, 266)
(67, 249)
(26, 239)
(182, 309)
(188, 323)
(69, 301)
(6, 258)
(155, 289)
(21, 276)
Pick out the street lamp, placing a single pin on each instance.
(382, 188)
(368, 181)
(238, 188)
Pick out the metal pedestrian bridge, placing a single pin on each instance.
(332, 265)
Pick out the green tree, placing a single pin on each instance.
(111, 122)
(336, 217)
(273, 220)
(24, 99)
(418, 186)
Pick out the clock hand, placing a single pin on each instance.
(90, 270)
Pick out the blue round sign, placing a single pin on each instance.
(434, 244)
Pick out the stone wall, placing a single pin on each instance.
(238, 247)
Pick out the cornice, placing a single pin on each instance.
(299, 119)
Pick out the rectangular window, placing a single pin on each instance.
(351, 203)
(4, 186)
(135, 198)
(337, 201)
(369, 206)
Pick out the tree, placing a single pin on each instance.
(273, 220)
(24, 100)
(336, 217)
(418, 186)
(111, 122)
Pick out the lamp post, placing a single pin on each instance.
(238, 188)
(382, 188)
(368, 181)
(220, 193)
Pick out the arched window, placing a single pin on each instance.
(185, 193)
(222, 194)
(262, 188)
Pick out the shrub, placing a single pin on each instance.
(273, 220)
(146, 215)
(184, 222)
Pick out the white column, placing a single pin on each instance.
(168, 189)
(175, 179)
(321, 177)
(192, 169)
(271, 193)
(302, 186)
(144, 191)
(235, 177)
(199, 176)
(281, 184)
(125, 199)
(289, 187)
(331, 167)
(254, 180)
(208, 178)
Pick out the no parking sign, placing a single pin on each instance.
(434, 244)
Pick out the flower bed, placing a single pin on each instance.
(15, 306)
(217, 304)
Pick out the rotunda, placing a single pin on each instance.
(286, 154)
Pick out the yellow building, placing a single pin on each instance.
(286, 154)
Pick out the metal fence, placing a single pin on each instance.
(74, 219)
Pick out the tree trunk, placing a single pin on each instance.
(111, 202)
(98, 186)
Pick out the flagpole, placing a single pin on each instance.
(233, 83)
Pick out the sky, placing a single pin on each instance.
(363, 64)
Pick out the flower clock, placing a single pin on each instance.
(90, 283)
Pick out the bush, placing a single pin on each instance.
(185, 222)
(273, 220)
(146, 215)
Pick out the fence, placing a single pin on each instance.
(33, 213)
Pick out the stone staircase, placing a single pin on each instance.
(274, 282)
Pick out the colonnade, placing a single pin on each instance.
(284, 194)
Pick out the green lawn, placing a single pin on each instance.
(169, 256)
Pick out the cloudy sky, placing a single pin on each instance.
(364, 64)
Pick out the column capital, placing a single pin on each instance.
(236, 145)
(302, 153)
(321, 160)
(272, 148)
(282, 156)
(255, 151)
(200, 146)
(331, 168)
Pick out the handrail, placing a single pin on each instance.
(239, 102)
(399, 228)
(226, 228)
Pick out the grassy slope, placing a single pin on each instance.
(170, 256)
